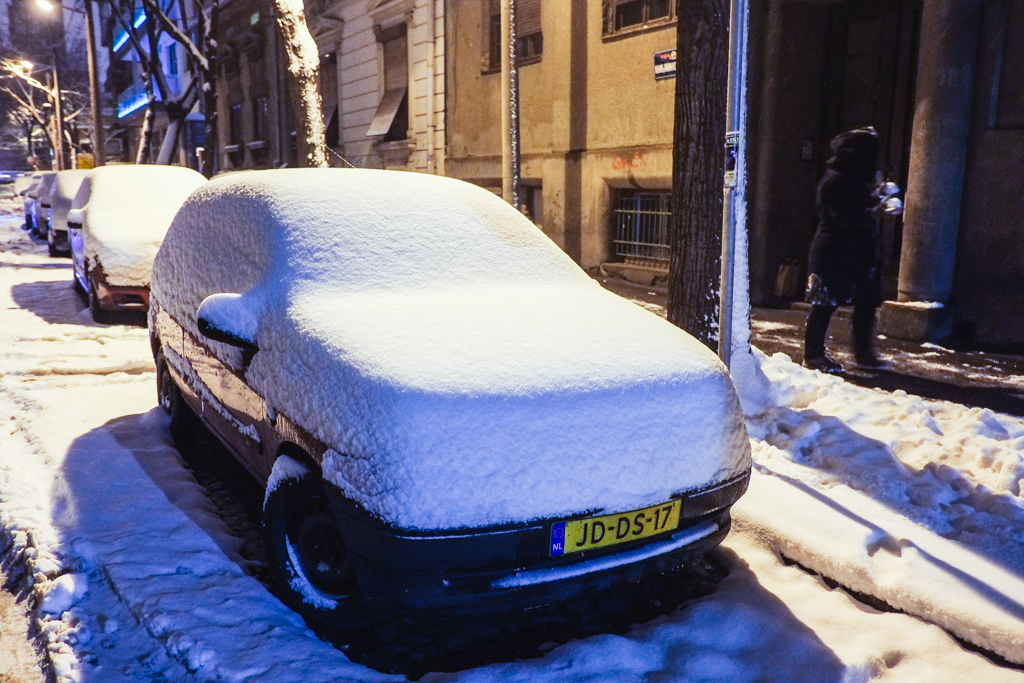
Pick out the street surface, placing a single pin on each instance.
(851, 558)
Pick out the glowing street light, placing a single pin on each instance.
(27, 65)
(94, 83)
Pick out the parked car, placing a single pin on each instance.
(44, 193)
(29, 200)
(446, 411)
(117, 220)
(61, 194)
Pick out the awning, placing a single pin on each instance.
(386, 112)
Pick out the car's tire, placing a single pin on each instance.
(305, 548)
(77, 285)
(51, 247)
(100, 315)
(185, 426)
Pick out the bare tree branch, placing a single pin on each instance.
(172, 29)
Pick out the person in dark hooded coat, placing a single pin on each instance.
(843, 266)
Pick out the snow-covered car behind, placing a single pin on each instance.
(33, 217)
(57, 204)
(117, 220)
(442, 404)
(44, 193)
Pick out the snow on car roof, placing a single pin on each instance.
(33, 185)
(124, 211)
(429, 333)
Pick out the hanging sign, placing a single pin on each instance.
(664, 64)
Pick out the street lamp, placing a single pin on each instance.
(94, 83)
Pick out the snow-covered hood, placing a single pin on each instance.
(502, 405)
(461, 368)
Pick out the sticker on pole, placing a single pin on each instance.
(732, 149)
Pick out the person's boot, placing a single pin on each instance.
(824, 364)
(869, 361)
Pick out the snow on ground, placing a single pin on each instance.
(913, 501)
(144, 582)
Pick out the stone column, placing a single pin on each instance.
(938, 153)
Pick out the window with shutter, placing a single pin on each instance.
(529, 37)
(392, 117)
(621, 16)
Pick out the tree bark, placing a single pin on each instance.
(206, 72)
(698, 161)
(303, 60)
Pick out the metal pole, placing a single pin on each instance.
(94, 90)
(509, 105)
(733, 139)
(59, 113)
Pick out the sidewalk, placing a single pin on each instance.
(972, 378)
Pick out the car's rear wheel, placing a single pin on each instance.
(306, 550)
(100, 315)
(50, 246)
(185, 425)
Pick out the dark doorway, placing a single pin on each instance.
(826, 67)
(869, 82)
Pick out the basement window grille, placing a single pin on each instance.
(641, 227)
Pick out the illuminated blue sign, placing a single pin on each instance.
(122, 37)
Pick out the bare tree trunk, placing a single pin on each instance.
(208, 16)
(146, 136)
(698, 167)
(303, 74)
(170, 144)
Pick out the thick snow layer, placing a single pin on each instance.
(430, 334)
(125, 212)
(89, 484)
(63, 194)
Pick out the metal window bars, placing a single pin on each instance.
(641, 227)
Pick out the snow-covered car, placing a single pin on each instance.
(29, 197)
(61, 193)
(117, 220)
(42, 207)
(445, 409)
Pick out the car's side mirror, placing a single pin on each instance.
(227, 319)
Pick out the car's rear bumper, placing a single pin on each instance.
(510, 567)
(60, 240)
(117, 298)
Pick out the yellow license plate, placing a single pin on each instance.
(607, 530)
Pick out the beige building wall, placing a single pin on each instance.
(593, 118)
(356, 31)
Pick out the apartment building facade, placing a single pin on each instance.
(596, 118)
(381, 83)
